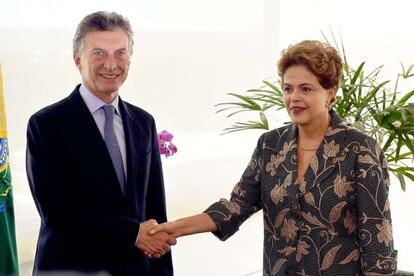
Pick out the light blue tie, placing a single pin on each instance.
(113, 146)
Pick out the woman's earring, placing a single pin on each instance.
(327, 104)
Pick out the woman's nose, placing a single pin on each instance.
(295, 95)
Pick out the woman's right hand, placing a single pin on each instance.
(170, 227)
(186, 226)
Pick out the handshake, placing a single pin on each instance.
(154, 239)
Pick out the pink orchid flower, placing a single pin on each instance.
(165, 144)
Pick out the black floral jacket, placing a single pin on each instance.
(335, 222)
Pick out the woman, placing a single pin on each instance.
(322, 185)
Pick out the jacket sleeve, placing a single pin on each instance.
(245, 199)
(156, 206)
(46, 170)
(374, 217)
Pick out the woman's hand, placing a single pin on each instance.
(170, 227)
(186, 226)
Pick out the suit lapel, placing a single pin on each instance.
(138, 149)
(131, 136)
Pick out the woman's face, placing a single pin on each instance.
(305, 99)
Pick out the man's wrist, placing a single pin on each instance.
(137, 239)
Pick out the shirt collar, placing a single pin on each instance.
(93, 102)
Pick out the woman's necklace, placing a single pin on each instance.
(306, 148)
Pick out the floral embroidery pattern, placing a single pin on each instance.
(275, 161)
(385, 232)
(289, 229)
(349, 222)
(341, 186)
(330, 150)
(302, 250)
(278, 194)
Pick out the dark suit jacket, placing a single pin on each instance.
(86, 222)
(335, 222)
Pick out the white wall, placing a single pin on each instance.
(188, 54)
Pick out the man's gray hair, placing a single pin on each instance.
(101, 21)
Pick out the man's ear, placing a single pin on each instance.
(77, 59)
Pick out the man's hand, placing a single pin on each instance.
(153, 245)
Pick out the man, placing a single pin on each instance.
(94, 168)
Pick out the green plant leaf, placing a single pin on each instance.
(247, 99)
(402, 181)
(404, 156)
(265, 123)
(407, 74)
(367, 98)
(274, 87)
(405, 98)
(357, 73)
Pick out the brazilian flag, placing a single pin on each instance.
(8, 251)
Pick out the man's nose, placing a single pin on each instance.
(110, 63)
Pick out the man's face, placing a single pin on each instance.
(103, 61)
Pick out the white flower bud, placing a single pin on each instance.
(396, 124)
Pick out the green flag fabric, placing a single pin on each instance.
(8, 251)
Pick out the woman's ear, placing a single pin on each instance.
(332, 94)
